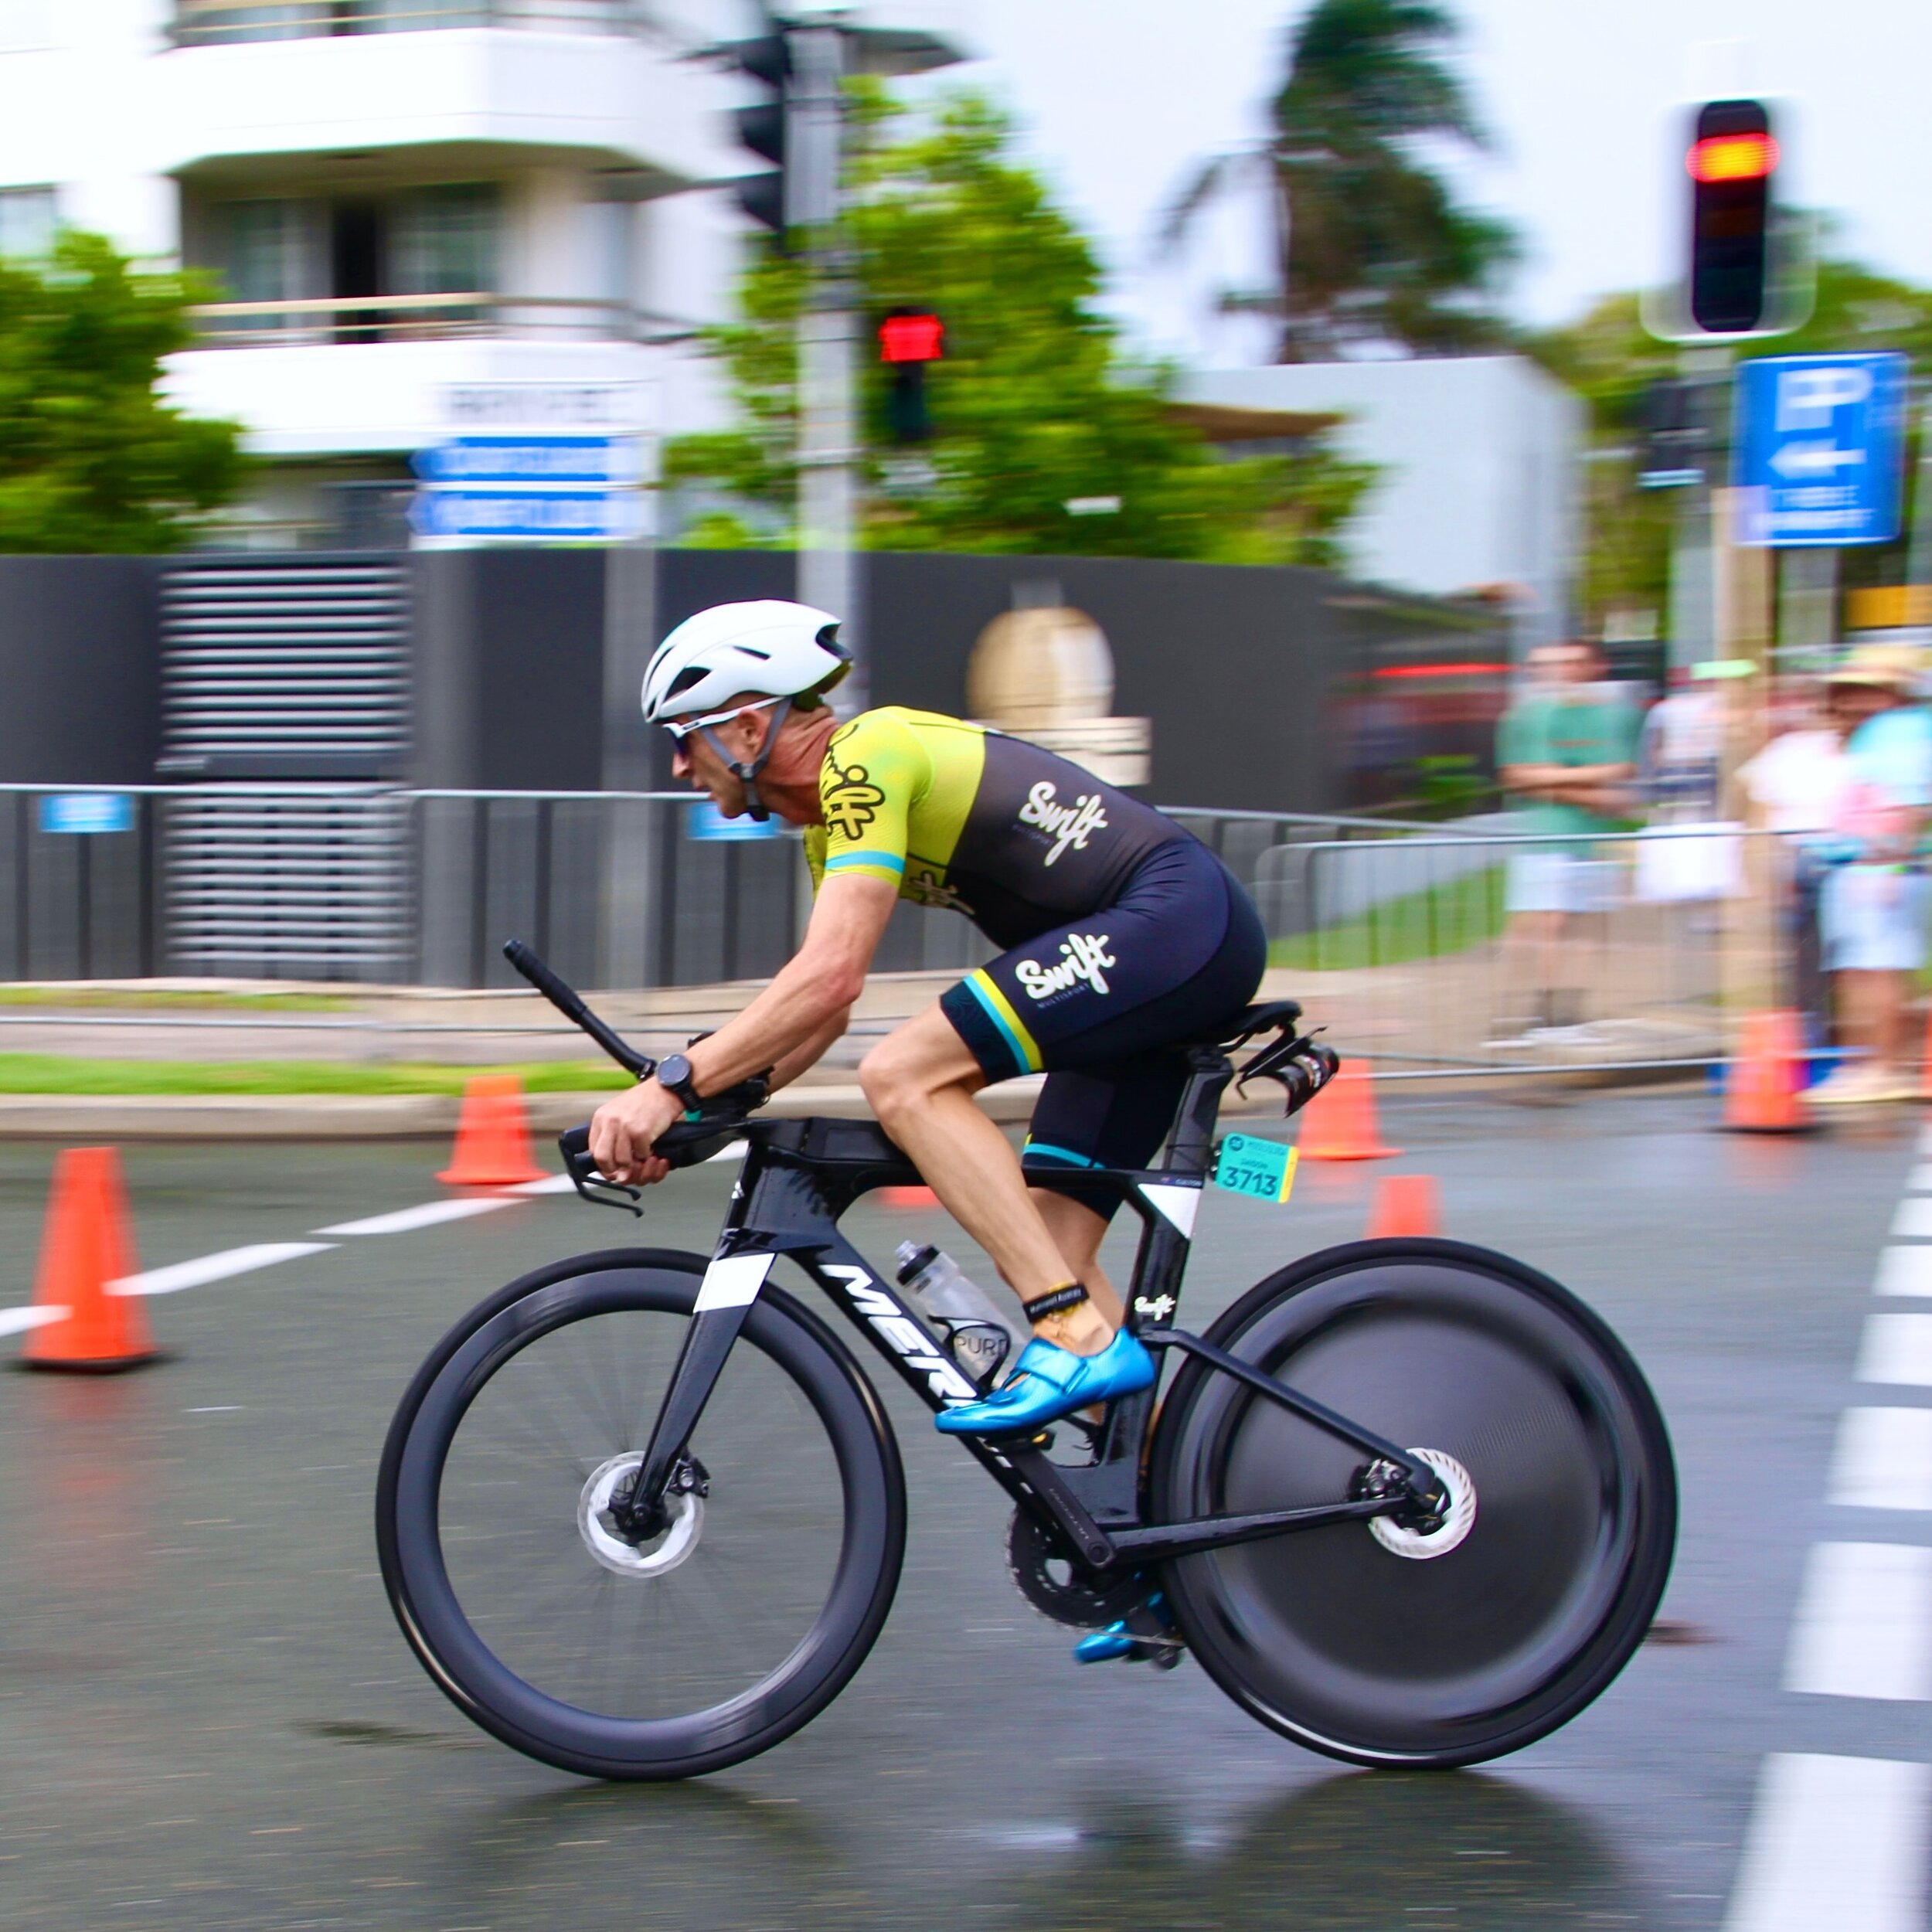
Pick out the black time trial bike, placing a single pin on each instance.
(640, 1513)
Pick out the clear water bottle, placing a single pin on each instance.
(978, 1337)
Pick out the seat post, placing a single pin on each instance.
(1190, 1148)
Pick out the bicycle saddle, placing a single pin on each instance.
(1270, 1016)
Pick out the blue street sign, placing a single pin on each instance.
(87, 811)
(1821, 449)
(706, 821)
(531, 459)
(578, 516)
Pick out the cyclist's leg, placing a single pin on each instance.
(920, 1079)
(1117, 1115)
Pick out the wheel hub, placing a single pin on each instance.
(597, 1522)
(1450, 1529)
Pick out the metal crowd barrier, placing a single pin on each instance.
(1427, 948)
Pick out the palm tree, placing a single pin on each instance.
(1371, 247)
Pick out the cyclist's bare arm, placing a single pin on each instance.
(801, 1059)
(786, 1027)
(806, 1004)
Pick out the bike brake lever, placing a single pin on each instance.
(574, 1145)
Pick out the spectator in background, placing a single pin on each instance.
(1683, 741)
(1566, 756)
(1794, 786)
(1872, 908)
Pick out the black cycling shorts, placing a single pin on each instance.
(1099, 1003)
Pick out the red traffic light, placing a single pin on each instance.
(1745, 156)
(911, 335)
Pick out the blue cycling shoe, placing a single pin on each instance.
(1049, 1383)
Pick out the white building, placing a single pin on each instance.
(399, 195)
(1478, 456)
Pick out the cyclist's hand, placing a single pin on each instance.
(622, 1130)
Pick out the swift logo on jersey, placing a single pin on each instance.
(851, 802)
(1065, 824)
(1082, 956)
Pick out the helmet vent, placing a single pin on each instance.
(692, 674)
(752, 650)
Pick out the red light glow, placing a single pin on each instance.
(911, 339)
(1732, 157)
(1441, 671)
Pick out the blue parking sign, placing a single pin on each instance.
(1821, 450)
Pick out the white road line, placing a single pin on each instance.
(1884, 1459)
(1896, 1347)
(1904, 1271)
(14, 1320)
(1835, 1845)
(1920, 1182)
(430, 1214)
(216, 1268)
(550, 1184)
(1864, 1623)
(1913, 1221)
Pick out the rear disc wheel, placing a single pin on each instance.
(1441, 1644)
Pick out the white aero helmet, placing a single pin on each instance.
(771, 648)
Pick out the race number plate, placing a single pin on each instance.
(1262, 1170)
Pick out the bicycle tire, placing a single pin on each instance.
(1328, 1636)
(782, 1343)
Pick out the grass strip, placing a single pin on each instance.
(75, 998)
(1433, 924)
(55, 1073)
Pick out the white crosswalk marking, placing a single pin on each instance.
(17, 1321)
(216, 1268)
(430, 1214)
(1904, 1271)
(1913, 1221)
(1864, 1623)
(1835, 1845)
(1884, 1459)
(1896, 1347)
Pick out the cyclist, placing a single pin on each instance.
(1123, 933)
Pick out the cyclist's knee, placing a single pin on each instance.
(887, 1079)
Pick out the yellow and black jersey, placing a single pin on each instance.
(953, 815)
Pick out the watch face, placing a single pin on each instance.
(674, 1071)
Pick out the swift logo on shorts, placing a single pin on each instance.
(1082, 956)
(1065, 824)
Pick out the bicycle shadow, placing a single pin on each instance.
(1360, 1852)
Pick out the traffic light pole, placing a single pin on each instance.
(828, 415)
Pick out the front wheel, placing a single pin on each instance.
(509, 1573)
(1382, 1645)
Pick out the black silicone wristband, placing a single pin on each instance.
(1055, 1301)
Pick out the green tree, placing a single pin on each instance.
(1371, 247)
(1610, 360)
(1033, 406)
(91, 458)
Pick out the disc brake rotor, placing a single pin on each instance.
(1457, 1520)
(598, 1525)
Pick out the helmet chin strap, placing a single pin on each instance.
(748, 775)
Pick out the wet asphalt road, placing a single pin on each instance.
(208, 1720)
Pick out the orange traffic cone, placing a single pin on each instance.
(1339, 1123)
(1764, 1091)
(1405, 1204)
(908, 1197)
(87, 1244)
(493, 1136)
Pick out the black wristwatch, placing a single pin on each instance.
(674, 1071)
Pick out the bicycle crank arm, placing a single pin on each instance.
(1218, 1532)
(1423, 1487)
